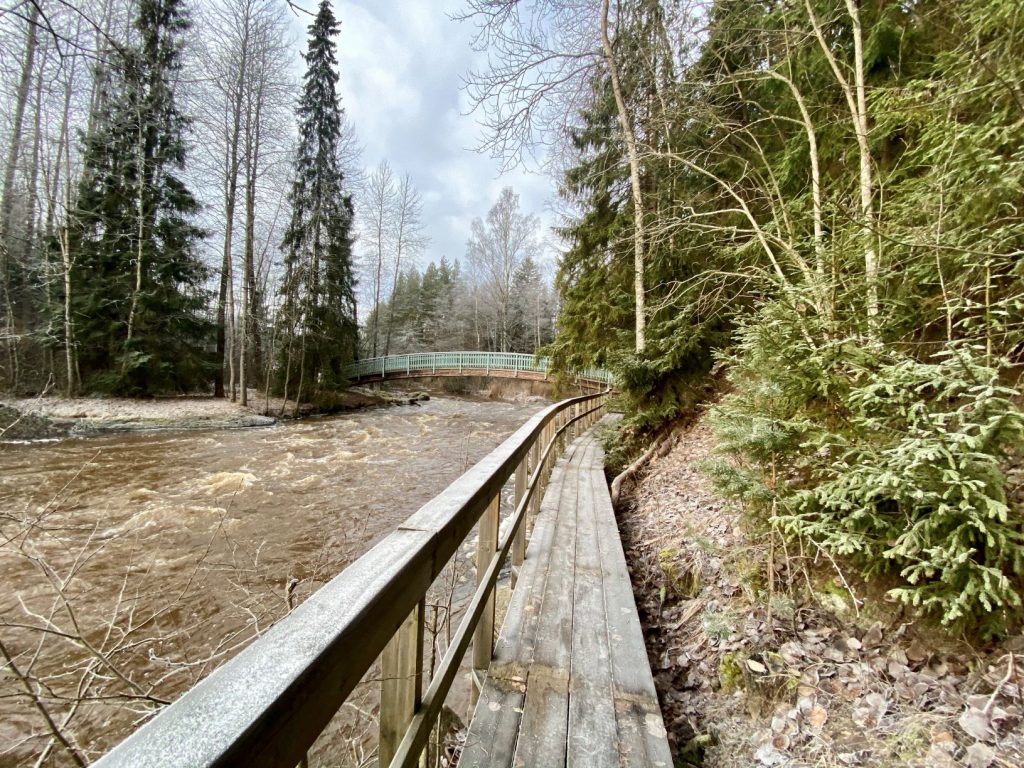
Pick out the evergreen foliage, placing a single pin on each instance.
(318, 312)
(595, 278)
(140, 305)
(850, 258)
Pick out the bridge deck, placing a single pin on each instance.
(570, 684)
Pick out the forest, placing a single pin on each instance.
(813, 207)
(146, 247)
(799, 222)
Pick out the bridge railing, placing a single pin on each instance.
(432, 362)
(267, 706)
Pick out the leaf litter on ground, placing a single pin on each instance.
(754, 669)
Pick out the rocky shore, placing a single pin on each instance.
(56, 417)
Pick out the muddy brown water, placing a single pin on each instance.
(131, 565)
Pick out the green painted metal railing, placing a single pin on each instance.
(427, 363)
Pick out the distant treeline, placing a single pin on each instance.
(441, 309)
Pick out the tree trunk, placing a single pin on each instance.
(856, 100)
(634, 180)
(866, 172)
(249, 292)
(139, 248)
(7, 200)
(394, 283)
(231, 167)
(64, 152)
(232, 380)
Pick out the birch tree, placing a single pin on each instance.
(380, 206)
(409, 239)
(545, 59)
(495, 251)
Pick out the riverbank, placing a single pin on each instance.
(765, 656)
(56, 417)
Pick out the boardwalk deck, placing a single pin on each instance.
(570, 683)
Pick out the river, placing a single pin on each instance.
(134, 564)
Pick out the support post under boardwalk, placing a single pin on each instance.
(483, 636)
(519, 543)
(401, 684)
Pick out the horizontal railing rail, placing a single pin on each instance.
(268, 705)
(431, 363)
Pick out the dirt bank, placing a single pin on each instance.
(764, 656)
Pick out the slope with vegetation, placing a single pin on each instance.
(833, 196)
(812, 211)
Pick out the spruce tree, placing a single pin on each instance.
(319, 306)
(139, 301)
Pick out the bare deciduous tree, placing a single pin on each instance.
(378, 235)
(495, 251)
(409, 239)
(546, 58)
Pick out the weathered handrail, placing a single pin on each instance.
(430, 363)
(266, 706)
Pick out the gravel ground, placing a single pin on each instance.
(764, 656)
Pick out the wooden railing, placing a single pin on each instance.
(430, 363)
(267, 706)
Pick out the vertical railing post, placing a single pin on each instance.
(544, 461)
(483, 636)
(401, 684)
(551, 454)
(534, 461)
(519, 543)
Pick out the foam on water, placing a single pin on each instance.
(226, 483)
(348, 456)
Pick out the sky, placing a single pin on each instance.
(401, 66)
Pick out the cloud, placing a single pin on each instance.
(401, 66)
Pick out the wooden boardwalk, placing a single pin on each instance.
(570, 684)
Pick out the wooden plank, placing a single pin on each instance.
(546, 709)
(491, 740)
(495, 728)
(642, 736)
(542, 738)
(592, 734)
(519, 544)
